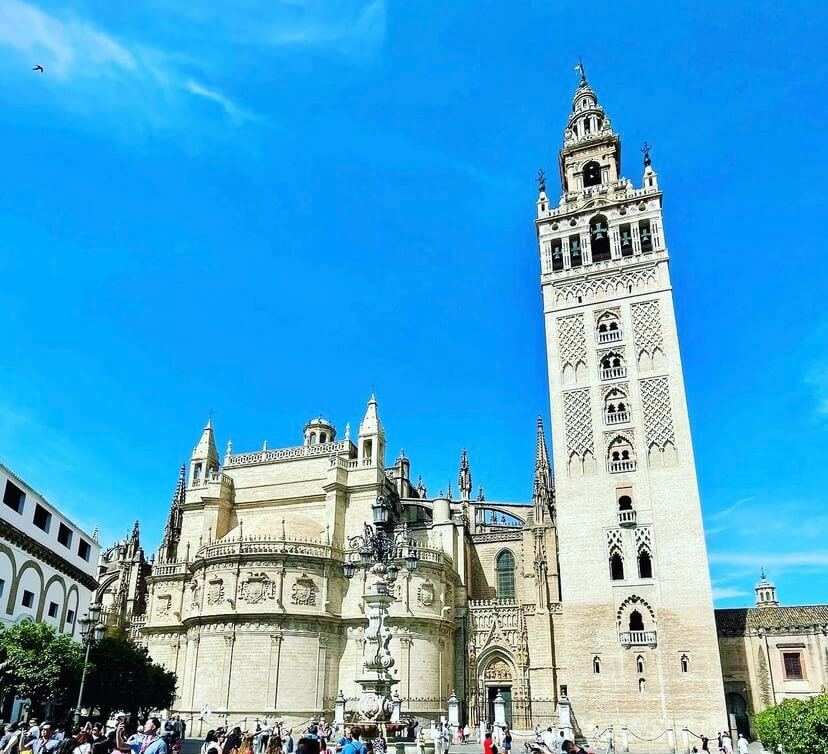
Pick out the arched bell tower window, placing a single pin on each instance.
(645, 233)
(592, 174)
(313, 438)
(557, 257)
(599, 238)
(505, 571)
(625, 236)
(616, 567)
(576, 258)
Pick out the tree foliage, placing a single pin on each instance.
(39, 664)
(125, 678)
(796, 726)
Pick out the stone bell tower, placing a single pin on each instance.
(637, 641)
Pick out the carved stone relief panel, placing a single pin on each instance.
(304, 591)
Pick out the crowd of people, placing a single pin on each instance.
(153, 737)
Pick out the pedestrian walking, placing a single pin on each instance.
(742, 744)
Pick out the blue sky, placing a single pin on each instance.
(262, 209)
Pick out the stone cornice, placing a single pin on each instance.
(44, 554)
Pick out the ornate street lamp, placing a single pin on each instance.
(383, 549)
(91, 633)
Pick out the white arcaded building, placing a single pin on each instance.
(595, 594)
(47, 563)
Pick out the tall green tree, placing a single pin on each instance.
(39, 664)
(795, 726)
(124, 678)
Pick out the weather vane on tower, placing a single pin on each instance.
(580, 68)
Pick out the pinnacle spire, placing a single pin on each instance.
(172, 529)
(206, 448)
(371, 423)
(543, 487)
(465, 478)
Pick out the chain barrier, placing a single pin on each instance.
(640, 738)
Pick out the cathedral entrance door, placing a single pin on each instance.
(506, 693)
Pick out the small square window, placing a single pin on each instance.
(53, 608)
(65, 535)
(70, 616)
(13, 496)
(42, 518)
(793, 666)
(28, 598)
(84, 549)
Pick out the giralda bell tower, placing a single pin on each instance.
(636, 641)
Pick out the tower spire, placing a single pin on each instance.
(168, 551)
(465, 477)
(543, 486)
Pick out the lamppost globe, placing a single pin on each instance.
(94, 612)
(366, 555)
(349, 569)
(100, 630)
(411, 560)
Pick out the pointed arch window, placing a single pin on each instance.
(642, 685)
(505, 572)
(684, 662)
(639, 664)
(616, 567)
(645, 565)
(599, 238)
(596, 665)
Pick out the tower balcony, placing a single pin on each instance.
(611, 336)
(618, 467)
(627, 519)
(613, 373)
(638, 638)
(617, 417)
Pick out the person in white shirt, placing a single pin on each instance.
(437, 738)
(549, 740)
(742, 744)
(727, 744)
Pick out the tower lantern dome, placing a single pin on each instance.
(766, 592)
(318, 431)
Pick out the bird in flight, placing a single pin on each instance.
(38, 68)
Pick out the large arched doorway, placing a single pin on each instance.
(737, 713)
(497, 679)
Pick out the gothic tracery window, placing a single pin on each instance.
(505, 571)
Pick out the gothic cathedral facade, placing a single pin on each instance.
(589, 605)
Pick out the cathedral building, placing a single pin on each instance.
(588, 605)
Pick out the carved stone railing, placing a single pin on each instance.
(214, 477)
(169, 569)
(618, 467)
(268, 546)
(136, 625)
(609, 337)
(627, 519)
(617, 417)
(613, 373)
(638, 638)
(289, 454)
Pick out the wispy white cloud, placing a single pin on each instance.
(770, 559)
(728, 592)
(90, 72)
(64, 47)
(730, 509)
(237, 114)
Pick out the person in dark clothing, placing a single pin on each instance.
(233, 740)
(570, 747)
(705, 743)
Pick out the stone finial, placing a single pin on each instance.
(347, 430)
(541, 181)
(465, 478)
